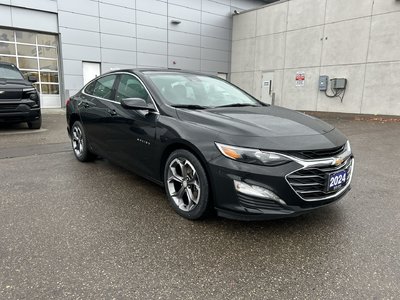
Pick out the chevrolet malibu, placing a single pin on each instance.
(210, 144)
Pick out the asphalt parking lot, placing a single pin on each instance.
(95, 231)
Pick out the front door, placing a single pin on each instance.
(267, 87)
(131, 133)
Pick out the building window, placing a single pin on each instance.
(34, 54)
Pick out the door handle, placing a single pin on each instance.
(84, 104)
(112, 112)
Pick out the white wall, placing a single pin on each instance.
(355, 39)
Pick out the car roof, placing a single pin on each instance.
(167, 70)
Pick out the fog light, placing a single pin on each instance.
(256, 191)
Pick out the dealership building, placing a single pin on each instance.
(65, 43)
(311, 55)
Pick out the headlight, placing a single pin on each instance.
(347, 148)
(252, 156)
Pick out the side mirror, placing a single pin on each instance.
(137, 104)
(32, 78)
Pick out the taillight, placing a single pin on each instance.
(67, 102)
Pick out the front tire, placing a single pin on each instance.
(186, 185)
(79, 143)
(36, 124)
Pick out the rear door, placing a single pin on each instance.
(96, 107)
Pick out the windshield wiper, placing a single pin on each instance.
(236, 105)
(189, 106)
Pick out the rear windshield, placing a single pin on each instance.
(10, 72)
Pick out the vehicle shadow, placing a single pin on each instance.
(8, 127)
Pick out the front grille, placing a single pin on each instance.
(309, 183)
(315, 154)
(258, 203)
(4, 107)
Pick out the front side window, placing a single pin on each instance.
(130, 87)
(102, 87)
(180, 89)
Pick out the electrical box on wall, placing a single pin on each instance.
(339, 83)
(323, 82)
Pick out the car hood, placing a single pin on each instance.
(14, 84)
(267, 121)
(11, 89)
(268, 127)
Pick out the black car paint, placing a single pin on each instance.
(14, 105)
(142, 140)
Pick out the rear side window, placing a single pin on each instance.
(102, 87)
(130, 87)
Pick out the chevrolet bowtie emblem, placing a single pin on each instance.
(338, 161)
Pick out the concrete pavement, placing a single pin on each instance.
(95, 231)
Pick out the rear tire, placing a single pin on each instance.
(79, 143)
(35, 124)
(186, 185)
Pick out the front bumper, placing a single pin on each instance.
(19, 112)
(231, 204)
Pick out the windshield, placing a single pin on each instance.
(9, 72)
(198, 91)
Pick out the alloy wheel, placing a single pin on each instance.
(77, 140)
(183, 184)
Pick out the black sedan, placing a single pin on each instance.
(210, 144)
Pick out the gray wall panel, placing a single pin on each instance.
(152, 60)
(117, 27)
(212, 54)
(184, 51)
(118, 13)
(118, 56)
(124, 3)
(149, 19)
(183, 38)
(80, 37)
(195, 4)
(152, 33)
(118, 42)
(83, 53)
(184, 63)
(5, 16)
(186, 26)
(45, 5)
(216, 20)
(184, 13)
(214, 66)
(34, 19)
(216, 32)
(85, 7)
(216, 8)
(106, 67)
(77, 21)
(214, 43)
(153, 6)
(154, 47)
(72, 67)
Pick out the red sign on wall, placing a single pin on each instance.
(300, 78)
